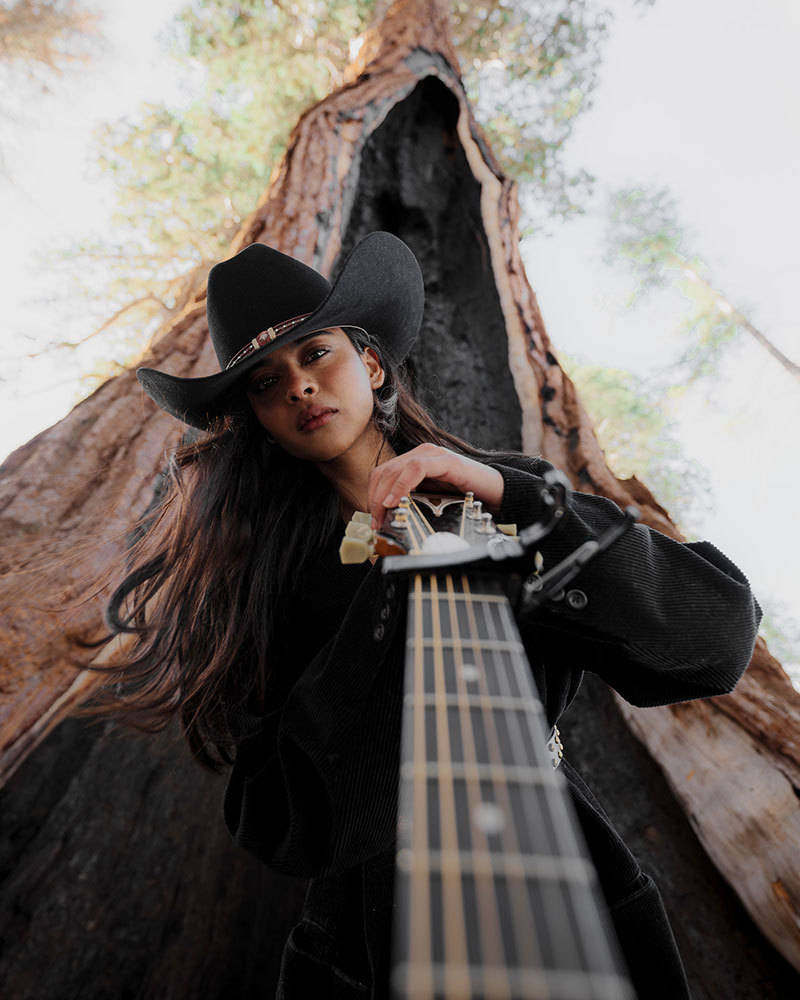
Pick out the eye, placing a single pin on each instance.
(260, 384)
(315, 354)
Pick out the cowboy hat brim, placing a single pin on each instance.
(379, 288)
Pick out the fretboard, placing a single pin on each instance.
(496, 895)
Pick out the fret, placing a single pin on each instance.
(476, 644)
(461, 597)
(554, 867)
(460, 665)
(534, 984)
(504, 702)
(450, 770)
(540, 825)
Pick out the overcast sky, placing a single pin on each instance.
(696, 95)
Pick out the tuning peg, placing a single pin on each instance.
(355, 550)
(358, 543)
(358, 529)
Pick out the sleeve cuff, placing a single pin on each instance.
(522, 496)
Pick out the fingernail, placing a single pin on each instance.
(389, 501)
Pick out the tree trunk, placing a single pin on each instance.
(397, 149)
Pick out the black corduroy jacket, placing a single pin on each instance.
(313, 789)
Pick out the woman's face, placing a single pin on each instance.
(314, 396)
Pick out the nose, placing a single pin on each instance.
(299, 386)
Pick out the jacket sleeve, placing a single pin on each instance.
(313, 791)
(659, 620)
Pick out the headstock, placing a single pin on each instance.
(421, 525)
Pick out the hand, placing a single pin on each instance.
(450, 473)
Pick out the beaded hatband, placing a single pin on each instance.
(264, 338)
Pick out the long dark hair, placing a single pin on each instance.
(232, 533)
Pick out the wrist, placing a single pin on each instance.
(491, 490)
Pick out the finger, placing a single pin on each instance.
(404, 481)
(378, 485)
(393, 483)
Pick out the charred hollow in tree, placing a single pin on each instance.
(415, 182)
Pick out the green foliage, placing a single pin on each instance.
(646, 237)
(186, 175)
(529, 70)
(782, 634)
(39, 41)
(41, 38)
(632, 422)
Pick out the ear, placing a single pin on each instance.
(377, 376)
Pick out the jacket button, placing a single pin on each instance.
(378, 633)
(558, 596)
(385, 612)
(390, 592)
(577, 600)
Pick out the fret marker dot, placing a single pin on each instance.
(489, 818)
(470, 673)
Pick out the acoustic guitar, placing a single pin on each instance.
(496, 895)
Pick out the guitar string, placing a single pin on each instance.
(497, 950)
(490, 923)
(553, 803)
(454, 942)
(525, 930)
(416, 509)
(489, 927)
(455, 929)
(569, 903)
(589, 934)
(419, 920)
(417, 534)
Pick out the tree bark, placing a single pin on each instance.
(396, 148)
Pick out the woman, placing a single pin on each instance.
(290, 664)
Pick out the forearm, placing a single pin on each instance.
(658, 619)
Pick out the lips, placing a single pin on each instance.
(314, 417)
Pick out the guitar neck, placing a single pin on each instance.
(496, 895)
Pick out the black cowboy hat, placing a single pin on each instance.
(262, 299)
